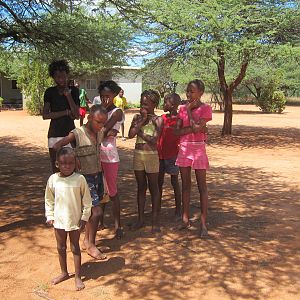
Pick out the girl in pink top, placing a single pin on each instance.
(191, 127)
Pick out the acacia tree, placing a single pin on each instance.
(32, 33)
(234, 31)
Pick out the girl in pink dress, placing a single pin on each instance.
(191, 127)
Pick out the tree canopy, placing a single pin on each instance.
(225, 32)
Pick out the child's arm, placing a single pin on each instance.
(179, 130)
(65, 141)
(116, 117)
(49, 202)
(86, 203)
(137, 123)
(47, 114)
(73, 106)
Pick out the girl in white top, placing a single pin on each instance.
(109, 153)
(68, 206)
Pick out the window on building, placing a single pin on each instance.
(90, 84)
(14, 84)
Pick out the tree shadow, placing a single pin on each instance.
(253, 222)
(255, 137)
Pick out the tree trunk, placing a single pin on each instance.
(227, 124)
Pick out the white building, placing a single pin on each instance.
(128, 78)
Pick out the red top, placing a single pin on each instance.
(167, 146)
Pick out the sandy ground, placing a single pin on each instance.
(254, 196)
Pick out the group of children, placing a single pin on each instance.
(168, 144)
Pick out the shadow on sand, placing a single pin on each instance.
(253, 220)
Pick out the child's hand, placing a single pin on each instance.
(50, 222)
(67, 91)
(197, 128)
(143, 113)
(82, 225)
(56, 146)
(192, 105)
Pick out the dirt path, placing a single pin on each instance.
(253, 253)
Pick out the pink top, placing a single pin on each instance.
(202, 112)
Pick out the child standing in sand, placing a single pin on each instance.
(168, 149)
(110, 160)
(191, 127)
(68, 207)
(146, 126)
(87, 140)
(61, 106)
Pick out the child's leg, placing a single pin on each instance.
(74, 245)
(177, 194)
(141, 180)
(186, 193)
(154, 191)
(101, 225)
(122, 129)
(81, 120)
(117, 212)
(161, 177)
(110, 171)
(90, 234)
(202, 187)
(61, 238)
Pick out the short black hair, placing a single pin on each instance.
(175, 98)
(64, 151)
(58, 65)
(152, 95)
(109, 85)
(199, 83)
(98, 108)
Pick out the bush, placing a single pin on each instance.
(271, 101)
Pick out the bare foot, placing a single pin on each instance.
(155, 229)
(137, 226)
(60, 278)
(203, 232)
(94, 252)
(79, 285)
(184, 226)
(119, 233)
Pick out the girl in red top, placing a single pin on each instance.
(168, 149)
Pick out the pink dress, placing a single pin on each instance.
(192, 152)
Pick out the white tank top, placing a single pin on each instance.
(109, 151)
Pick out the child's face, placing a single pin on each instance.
(193, 93)
(147, 104)
(121, 93)
(97, 121)
(60, 78)
(107, 97)
(66, 164)
(169, 105)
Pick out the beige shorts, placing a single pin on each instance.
(147, 161)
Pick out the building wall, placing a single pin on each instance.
(131, 82)
(128, 79)
(7, 92)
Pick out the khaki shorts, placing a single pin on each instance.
(147, 161)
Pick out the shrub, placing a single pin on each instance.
(271, 101)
